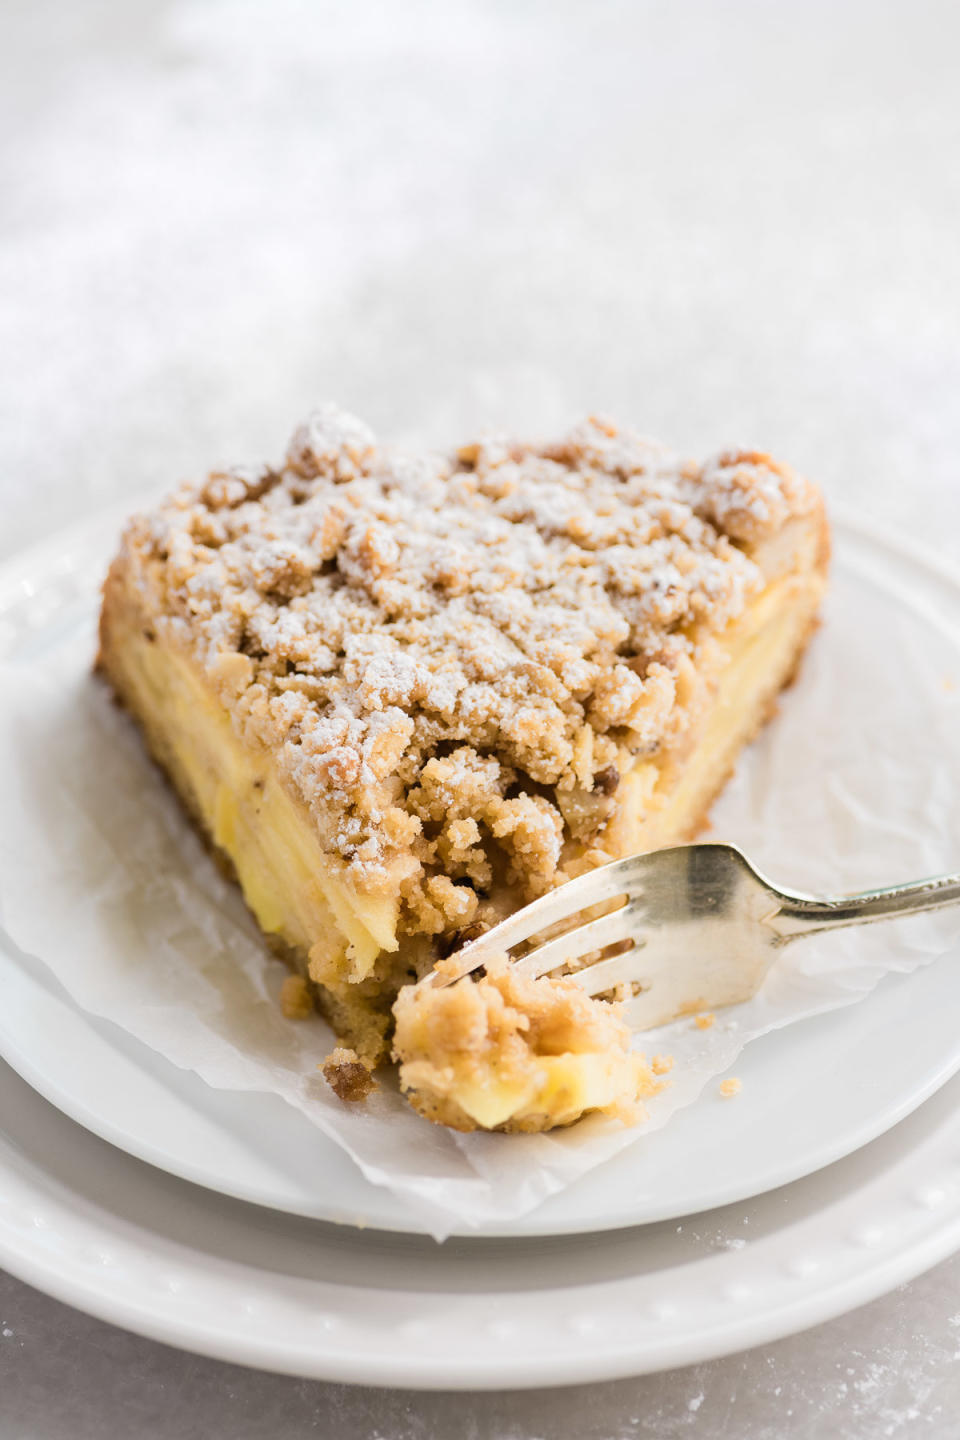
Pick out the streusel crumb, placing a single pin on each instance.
(454, 659)
(347, 1075)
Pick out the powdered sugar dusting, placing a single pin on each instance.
(446, 651)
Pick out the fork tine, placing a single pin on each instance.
(606, 883)
(595, 935)
(606, 974)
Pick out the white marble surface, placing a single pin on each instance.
(726, 223)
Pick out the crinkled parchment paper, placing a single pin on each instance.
(855, 785)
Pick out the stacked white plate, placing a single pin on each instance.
(227, 1224)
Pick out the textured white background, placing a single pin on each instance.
(726, 222)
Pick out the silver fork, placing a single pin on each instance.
(697, 928)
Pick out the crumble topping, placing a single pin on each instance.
(454, 658)
(347, 1075)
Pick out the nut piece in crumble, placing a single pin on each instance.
(402, 695)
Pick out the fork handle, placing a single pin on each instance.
(803, 914)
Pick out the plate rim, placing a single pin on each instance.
(884, 1256)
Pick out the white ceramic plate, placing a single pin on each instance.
(811, 1094)
(92, 1226)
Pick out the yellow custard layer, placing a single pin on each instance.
(664, 801)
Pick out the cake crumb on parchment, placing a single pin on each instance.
(347, 1075)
